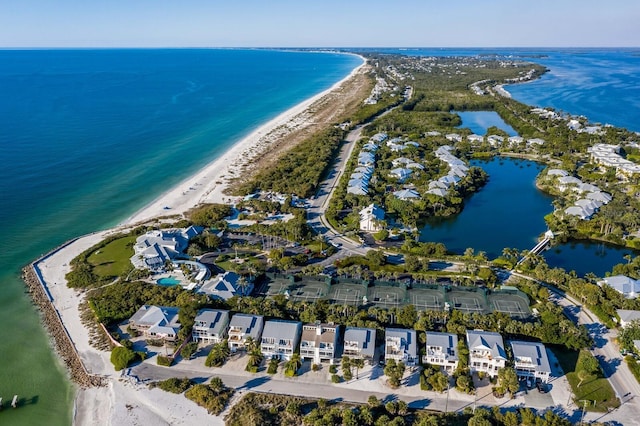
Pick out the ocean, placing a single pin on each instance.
(89, 137)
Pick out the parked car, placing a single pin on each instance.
(542, 388)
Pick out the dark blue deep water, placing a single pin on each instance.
(88, 137)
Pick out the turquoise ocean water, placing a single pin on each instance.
(88, 137)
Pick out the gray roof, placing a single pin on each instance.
(250, 324)
(536, 352)
(408, 338)
(627, 315)
(158, 319)
(280, 329)
(447, 341)
(212, 319)
(488, 340)
(365, 337)
(625, 285)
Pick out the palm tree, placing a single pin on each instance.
(358, 363)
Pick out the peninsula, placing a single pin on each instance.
(292, 265)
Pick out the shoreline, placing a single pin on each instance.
(208, 184)
(101, 393)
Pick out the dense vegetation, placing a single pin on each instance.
(299, 171)
(271, 409)
(214, 396)
(173, 385)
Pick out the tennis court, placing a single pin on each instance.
(386, 296)
(351, 294)
(274, 288)
(424, 299)
(511, 304)
(307, 291)
(467, 301)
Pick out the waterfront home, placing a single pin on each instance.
(627, 316)
(578, 211)
(475, 138)
(371, 218)
(154, 248)
(565, 182)
(486, 352)
(495, 140)
(531, 360)
(401, 345)
(210, 326)
(319, 342)
(438, 192)
(453, 137)
(359, 343)
(515, 140)
(599, 196)
(608, 156)
(441, 350)
(407, 194)
(156, 322)
(225, 286)
(628, 287)
(280, 339)
(535, 141)
(557, 172)
(243, 326)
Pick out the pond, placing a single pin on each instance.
(509, 212)
(480, 121)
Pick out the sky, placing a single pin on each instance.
(319, 23)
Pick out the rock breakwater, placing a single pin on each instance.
(61, 339)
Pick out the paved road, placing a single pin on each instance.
(615, 368)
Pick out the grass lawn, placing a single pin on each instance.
(593, 387)
(112, 260)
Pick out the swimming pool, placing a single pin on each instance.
(169, 281)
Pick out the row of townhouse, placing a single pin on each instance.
(319, 342)
(487, 354)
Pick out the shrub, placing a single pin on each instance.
(213, 397)
(316, 367)
(333, 369)
(174, 385)
(121, 357)
(335, 378)
(189, 349)
(273, 366)
(165, 361)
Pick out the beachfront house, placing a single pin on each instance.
(243, 326)
(628, 287)
(280, 339)
(225, 286)
(371, 218)
(156, 322)
(441, 350)
(210, 326)
(153, 249)
(319, 342)
(486, 352)
(401, 345)
(359, 343)
(531, 361)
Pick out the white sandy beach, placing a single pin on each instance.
(208, 184)
(122, 402)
